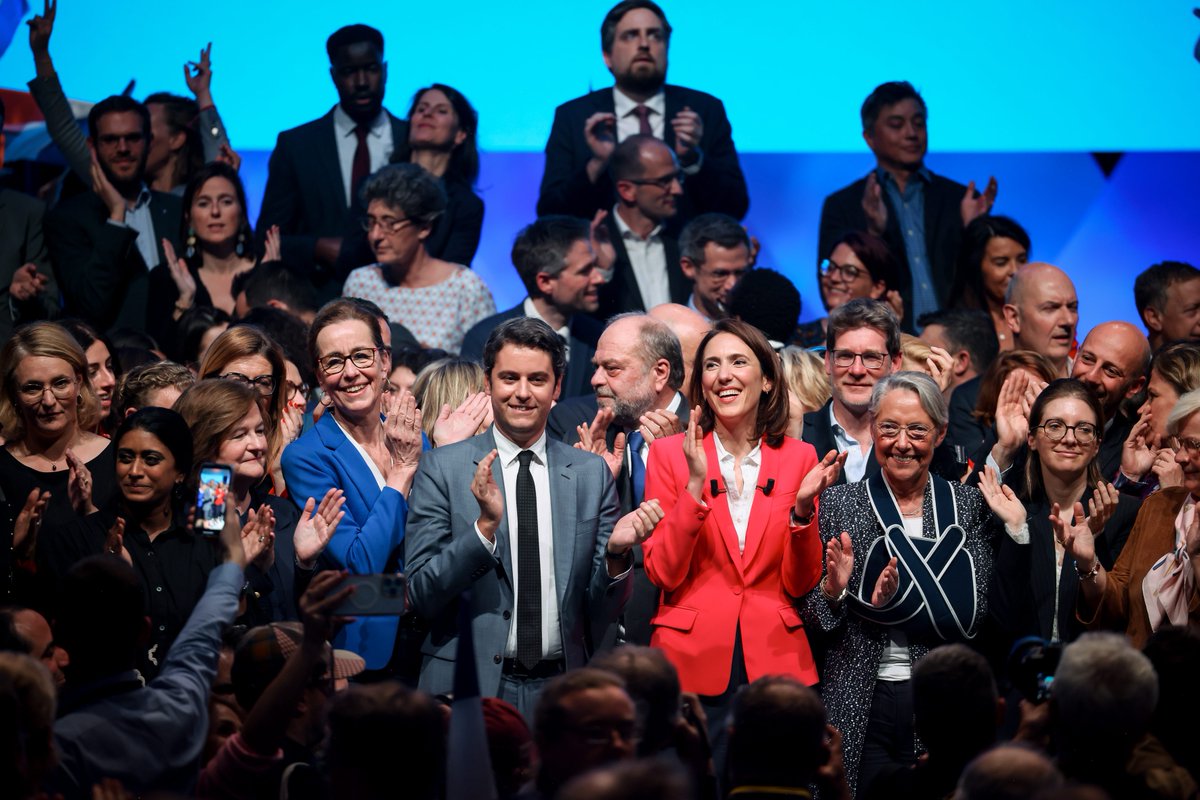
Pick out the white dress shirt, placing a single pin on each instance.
(648, 259)
(507, 458)
(644, 452)
(379, 144)
(856, 462)
(362, 451)
(139, 218)
(627, 118)
(739, 501)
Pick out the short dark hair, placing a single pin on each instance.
(101, 613)
(887, 94)
(192, 327)
(408, 188)
(954, 702)
(608, 28)
(874, 254)
(353, 34)
(118, 104)
(1151, 286)
(464, 159)
(653, 684)
(863, 312)
(626, 161)
(182, 116)
(271, 280)
(777, 733)
(656, 340)
(769, 301)
(542, 246)
(719, 229)
(1062, 387)
(136, 385)
(526, 332)
(772, 417)
(967, 290)
(969, 329)
(549, 719)
(343, 309)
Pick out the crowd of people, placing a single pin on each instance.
(927, 545)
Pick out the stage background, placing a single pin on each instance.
(1029, 92)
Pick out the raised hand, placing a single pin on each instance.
(689, 129)
(273, 245)
(316, 528)
(79, 485)
(839, 563)
(895, 302)
(198, 77)
(114, 541)
(28, 523)
(41, 27)
(27, 283)
(403, 431)
(600, 131)
(693, 452)
(606, 253)
(658, 424)
(322, 596)
(1167, 469)
(231, 536)
(973, 206)
(635, 527)
(940, 365)
(185, 282)
(488, 495)
(1001, 499)
(1137, 458)
(874, 206)
(1076, 536)
(593, 439)
(228, 155)
(258, 537)
(103, 187)
(823, 475)
(886, 584)
(1101, 506)
(1012, 416)
(472, 417)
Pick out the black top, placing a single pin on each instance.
(18, 480)
(160, 321)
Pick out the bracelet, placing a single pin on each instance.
(1091, 574)
(800, 522)
(618, 556)
(831, 598)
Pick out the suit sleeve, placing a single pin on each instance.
(34, 251)
(668, 551)
(465, 228)
(212, 133)
(93, 267)
(566, 188)
(719, 185)
(60, 122)
(363, 546)
(837, 219)
(606, 596)
(280, 206)
(802, 553)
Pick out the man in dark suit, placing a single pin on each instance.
(555, 261)
(1114, 363)
(104, 243)
(921, 215)
(714, 255)
(969, 336)
(316, 168)
(523, 523)
(27, 289)
(647, 269)
(634, 38)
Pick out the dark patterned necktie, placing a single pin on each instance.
(529, 568)
(643, 114)
(360, 168)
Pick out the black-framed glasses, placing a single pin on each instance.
(263, 384)
(844, 359)
(848, 271)
(1056, 429)
(915, 432)
(333, 364)
(663, 183)
(297, 391)
(1191, 446)
(389, 224)
(110, 139)
(33, 391)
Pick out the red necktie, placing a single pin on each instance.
(361, 166)
(643, 115)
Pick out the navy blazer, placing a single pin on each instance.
(585, 332)
(718, 186)
(622, 293)
(305, 195)
(370, 537)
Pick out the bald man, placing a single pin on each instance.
(1008, 771)
(1042, 311)
(689, 326)
(1113, 362)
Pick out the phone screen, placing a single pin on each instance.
(211, 496)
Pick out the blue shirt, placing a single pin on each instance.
(909, 206)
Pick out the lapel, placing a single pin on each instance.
(760, 507)
(720, 504)
(1041, 567)
(674, 104)
(564, 490)
(680, 286)
(324, 160)
(624, 293)
(344, 450)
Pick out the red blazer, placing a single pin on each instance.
(710, 588)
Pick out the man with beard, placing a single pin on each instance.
(316, 168)
(104, 243)
(556, 263)
(634, 40)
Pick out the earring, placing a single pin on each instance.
(241, 244)
(191, 244)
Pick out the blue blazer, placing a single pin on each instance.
(370, 538)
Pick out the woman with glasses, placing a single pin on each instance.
(1154, 581)
(1037, 581)
(860, 265)
(437, 300)
(908, 560)
(48, 409)
(354, 448)
(992, 249)
(1147, 462)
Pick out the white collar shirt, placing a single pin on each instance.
(856, 460)
(648, 260)
(379, 144)
(627, 119)
(739, 502)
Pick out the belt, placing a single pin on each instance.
(542, 669)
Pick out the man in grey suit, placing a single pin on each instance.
(526, 526)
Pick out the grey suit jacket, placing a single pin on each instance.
(22, 242)
(445, 558)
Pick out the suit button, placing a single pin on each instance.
(496, 659)
(508, 615)
(737, 590)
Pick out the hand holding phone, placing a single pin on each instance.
(212, 496)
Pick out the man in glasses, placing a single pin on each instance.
(646, 272)
(863, 346)
(714, 255)
(104, 243)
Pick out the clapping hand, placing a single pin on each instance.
(487, 494)
(606, 253)
(1001, 499)
(1075, 536)
(79, 485)
(839, 563)
(1101, 506)
(27, 283)
(403, 430)
(114, 541)
(600, 132)
(823, 475)
(1137, 457)
(316, 528)
(473, 416)
(689, 129)
(874, 206)
(28, 523)
(973, 206)
(886, 584)
(693, 452)
(185, 283)
(592, 438)
(940, 366)
(635, 527)
(258, 537)
(273, 245)
(658, 424)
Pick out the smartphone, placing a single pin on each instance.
(374, 596)
(212, 495)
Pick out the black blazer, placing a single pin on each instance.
(305, 195)
(585, 332)
(819, 433)
(842, 213)
(622, 294)
(718, 186)
(102, 275)
(22, 242)
(965, 430)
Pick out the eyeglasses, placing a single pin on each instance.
(32, 392)
(601, 734)
(844, 359)
(297, 391)
(263, 384)
(1191, 446)
(663, 183)
(848, 271)
(332, 365)
(389, 224)
(110, 139)
(1056, 429)
(916, 432)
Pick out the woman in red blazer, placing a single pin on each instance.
(739, 541)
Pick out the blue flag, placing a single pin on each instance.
(468, 765)
(11, 14)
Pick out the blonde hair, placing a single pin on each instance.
(806, 378)
(242, 341)
(44, 340)
(212, 408)
(446, 381)
(913, 353)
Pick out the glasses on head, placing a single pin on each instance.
(1056, 429)
(332, 365)
(663, 183)
(389, 224)
(32, 392)
(848, 271)
(844, 359)
(915, 432)
(1191, 446)
(263, 384)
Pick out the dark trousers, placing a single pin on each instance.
(890, 732)
(717, 708)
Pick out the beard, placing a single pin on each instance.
(628, 411)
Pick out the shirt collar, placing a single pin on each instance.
(628, 232)
(837, 428)
(531, 311)
(885, 177)
(724, 455)
(143, 198)
(344, 126)
(623, 105)
(507, 450)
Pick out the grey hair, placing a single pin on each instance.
(1105, 688)
(656, 340)
(863, 312)
(932, 401)
(1185, 406)
(407, 188)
